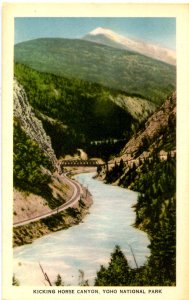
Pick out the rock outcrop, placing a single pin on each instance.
(155, 128)
(31, 124)
(157, 136)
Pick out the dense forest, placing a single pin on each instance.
(76, 113)
(28, 162)
(154, 178)
(114, 68)
(155, 214)
(81, 111)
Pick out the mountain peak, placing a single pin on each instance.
(108, 37)
(108, 33)
(101, 30)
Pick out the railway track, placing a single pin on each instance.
(74, 198)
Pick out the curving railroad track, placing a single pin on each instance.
(74, 198)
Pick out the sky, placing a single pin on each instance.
(161, 31)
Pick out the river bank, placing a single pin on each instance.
(26, 234)
(89, 244)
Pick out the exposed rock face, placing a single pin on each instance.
(158, 134)
(139, 108)
(152, 136)
(30, 124)
(155, 128)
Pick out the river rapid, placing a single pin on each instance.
(88, 245)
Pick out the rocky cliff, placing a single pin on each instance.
(31, 124)
(157, 137)
(155, 134)
(38, 184)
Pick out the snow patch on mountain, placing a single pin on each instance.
(106, 36)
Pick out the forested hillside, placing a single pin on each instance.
(155, 139)
(115, 106)
(153, 175)
(28, 162)
(155, 214)
(119, 69)
(81, 111)
(36, 169)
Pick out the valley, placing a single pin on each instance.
(76, 99)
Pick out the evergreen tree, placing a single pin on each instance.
(59, 281)
(117, 273)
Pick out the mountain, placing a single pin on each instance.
(37, 187)
(118, 69)
(155, 141)
(147, 165)
(158, 134)
(76, 112)
(108, 37)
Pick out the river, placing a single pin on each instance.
(88, 245)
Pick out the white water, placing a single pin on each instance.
(88, 245)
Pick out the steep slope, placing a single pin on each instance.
(119, 69)
(159, 132)
(139, 108)
(156, 140)
(108, 37)
(30, 124)
(76, 112)
(38, 186)
(147, 164)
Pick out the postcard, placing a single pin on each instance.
(95, 140)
